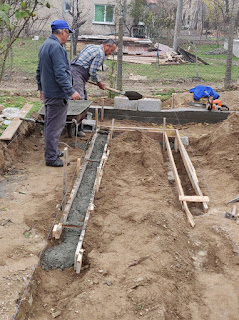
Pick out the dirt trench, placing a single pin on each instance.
(142, 259)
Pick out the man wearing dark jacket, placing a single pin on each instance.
(55, 85)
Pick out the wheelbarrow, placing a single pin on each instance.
(76, 112)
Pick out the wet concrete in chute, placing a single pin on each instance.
(62, 256)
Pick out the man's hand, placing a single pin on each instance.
(40, 95)
(76, 96)
(101, 85)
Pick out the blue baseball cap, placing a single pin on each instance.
(60, 24)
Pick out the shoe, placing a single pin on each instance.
(57, 163)
(60, 154)
(81, 134)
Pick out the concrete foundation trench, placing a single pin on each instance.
(63, 255)
(69, 251)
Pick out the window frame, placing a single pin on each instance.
(105, 11)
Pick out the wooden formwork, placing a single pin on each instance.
(164, 134)
(160, 134)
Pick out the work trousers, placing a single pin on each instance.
(80, 76)
(55, 120)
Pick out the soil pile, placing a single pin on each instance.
(221, 147)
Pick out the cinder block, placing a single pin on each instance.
(124, 103)
(148, 104)
(88, 125)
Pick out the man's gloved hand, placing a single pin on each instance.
(76, 96)
(101, 85)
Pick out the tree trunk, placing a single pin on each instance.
(120, 54)
(178, 24)
(228, 73)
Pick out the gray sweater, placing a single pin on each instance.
(53, 71)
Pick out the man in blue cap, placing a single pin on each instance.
(55, 85)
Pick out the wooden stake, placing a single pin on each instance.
(102, 113)
(65, 178)
(96, 117)
(79, 261)
(164, 127)
(78, 166)
(112, 129)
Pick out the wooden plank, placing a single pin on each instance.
(90, 209)
(57, 229)
(112, 129)
(170, 132)
(178, 182)
(15, 123)
(164, 128)
(190, 170)
(194, 198)
(185, 157)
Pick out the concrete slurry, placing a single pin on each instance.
(62, 255)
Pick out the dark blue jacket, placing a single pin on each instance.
(53, 71)
(203, 91)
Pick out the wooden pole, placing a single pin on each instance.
(65, 177)
(102, 113)
(164, 127)
(120, 55)
(112, 129)
(96, 117)
(78, 166)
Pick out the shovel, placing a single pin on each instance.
(131, 95)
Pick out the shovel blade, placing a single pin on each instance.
(133, 95)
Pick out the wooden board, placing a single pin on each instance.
(190, 170)
(15, 123)
(178, 182)
(194, 198)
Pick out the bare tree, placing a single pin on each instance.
(178, 24)
(77, 22)
(232, 14)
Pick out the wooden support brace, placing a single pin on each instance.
(164, 127)
(190, 170)
(96, 117)
(79, 261)
(102, 113)
(178, 182)
(112, 129)
(57, 231)
(194, 198)
(170, 132)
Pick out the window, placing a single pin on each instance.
(104, 13)
(67, 6)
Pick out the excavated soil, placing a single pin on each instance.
(142, 258)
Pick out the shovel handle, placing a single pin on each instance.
(107, 88)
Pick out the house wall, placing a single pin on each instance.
(46, 16)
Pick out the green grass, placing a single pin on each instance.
(25, 54)
(214, 72)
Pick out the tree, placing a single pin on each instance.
(14, 16)
(178, 24)
(77, 22)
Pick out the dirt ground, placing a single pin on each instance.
(142, 258)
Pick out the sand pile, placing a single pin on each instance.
(222, 147)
